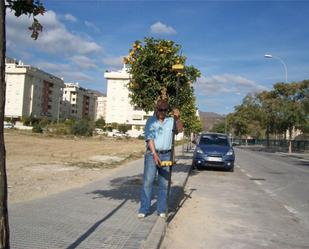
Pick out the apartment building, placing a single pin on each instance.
(31, 91)
(78, 102)
(101, 107)
(118, 106)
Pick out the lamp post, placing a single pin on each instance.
(269, 56)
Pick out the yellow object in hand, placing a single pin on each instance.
(166, 163)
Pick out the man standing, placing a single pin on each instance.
(158, 137)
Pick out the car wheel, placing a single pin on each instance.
(231, 169)
(193, 166)
(198, 167)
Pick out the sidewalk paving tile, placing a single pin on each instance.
(102, 214)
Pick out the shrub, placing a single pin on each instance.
(28, 121)
(83, 128)
(37, 128)
(100, 123)
(59, 129)
(123, 128)
(44, 122)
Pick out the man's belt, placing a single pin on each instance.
(163, 151)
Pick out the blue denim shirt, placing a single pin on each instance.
(161, 133)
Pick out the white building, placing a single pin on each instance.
(78, 102)
(31, 91)
(101, 107)
(118, 107)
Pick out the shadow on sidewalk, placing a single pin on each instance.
(84, 236)
(126, 189)
(122, 188)
(129, 188)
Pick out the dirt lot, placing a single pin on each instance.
(39, 165)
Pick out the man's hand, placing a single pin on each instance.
(156, 159)
(152, 148)
(179, 124)
(176, 113)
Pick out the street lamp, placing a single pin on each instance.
(269, 56)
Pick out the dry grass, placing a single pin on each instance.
(38, 165)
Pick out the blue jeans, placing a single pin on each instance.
(150, 170)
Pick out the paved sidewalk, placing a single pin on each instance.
(100, 215)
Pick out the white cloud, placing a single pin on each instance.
(53, 67)
(55, 38)
(113, 61)
(92, 26)
(226, 83)
(70, 18)
(161, 28)
(84, 62)
(64, 70)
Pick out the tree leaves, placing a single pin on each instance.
(31, 8)
(150, 66)
(283, 108)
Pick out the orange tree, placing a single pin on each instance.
(150, 65)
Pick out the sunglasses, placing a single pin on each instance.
(162, 110)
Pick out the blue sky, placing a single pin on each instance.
(225, 40)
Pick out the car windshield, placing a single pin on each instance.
(214, 140)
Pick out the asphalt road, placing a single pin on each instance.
(263, 204)
(284, 178)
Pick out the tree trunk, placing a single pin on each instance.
(290, 139)
(4, 221)
(267, 137)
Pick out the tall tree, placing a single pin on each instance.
(152, 77)
(246, 120)
(268, 108)
(19, 7)
(290, 98)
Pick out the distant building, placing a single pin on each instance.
(78, 102)
(118, 107)
(101, 107)
(31, 91)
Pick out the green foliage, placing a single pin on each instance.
(82, 128)
(100, 123)
(152, 77)
(219, 127)
(114, 126)
(30, 121)
(283, 108)
(123, 128)
(44, 122)
(8, 119)
(29, 7)
(37, 128)
(69, 122)
(59, 129)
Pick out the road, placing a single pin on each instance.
(263, 204)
